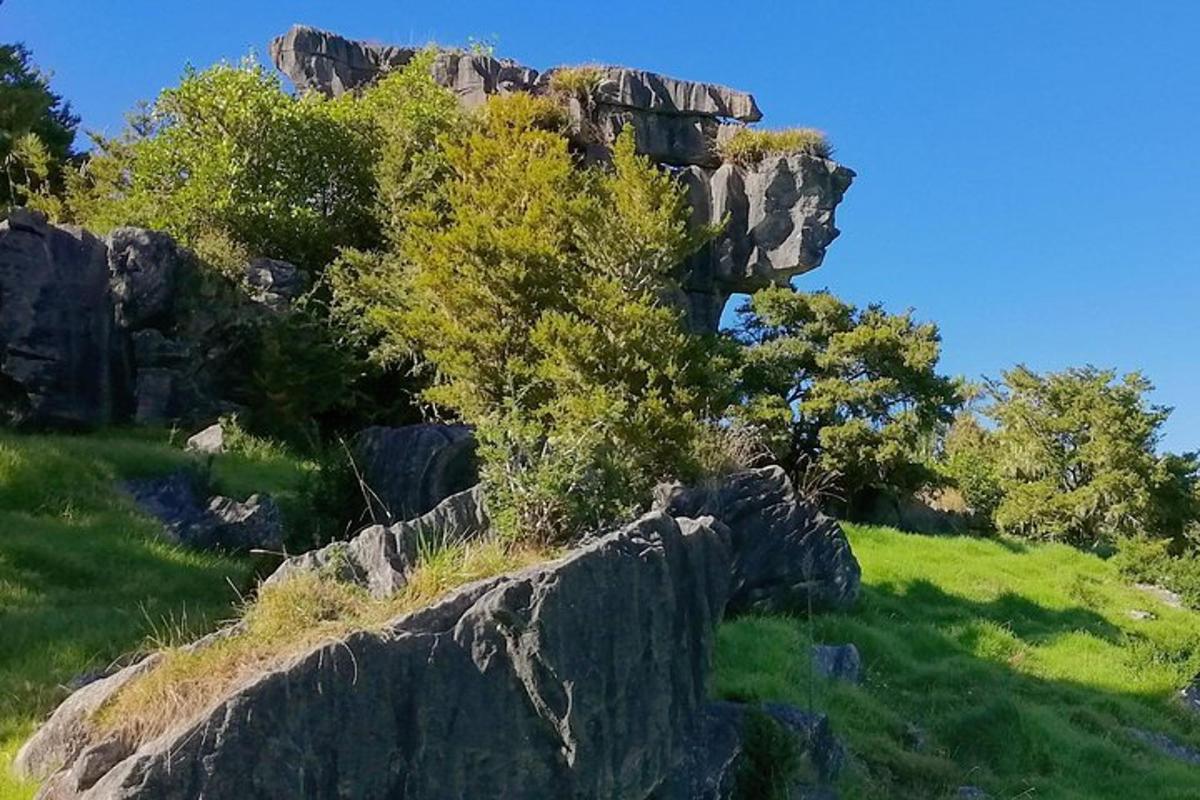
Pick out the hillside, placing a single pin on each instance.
(1016, 668)
(86, 579)
(1012, 667)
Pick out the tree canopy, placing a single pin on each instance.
(37, 128)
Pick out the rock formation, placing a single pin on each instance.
(582, 677)
(779, 213)
(96, 332)
(410, 469)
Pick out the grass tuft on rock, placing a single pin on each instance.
(285, 621)
(750, 146)
(580, 82)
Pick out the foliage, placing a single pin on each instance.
(1150, 560)
(854, 391)
(580, 82)
(1011, 666)
(1075, 451)
(37, 130)
(228, 154)
(969, 461)
(750, 146)
(532, 286)
(770, 759)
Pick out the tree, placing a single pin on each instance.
(854, 391)
(532, 288)
(231, 164)
(1075, 452)
(37, 128)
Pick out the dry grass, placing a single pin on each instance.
(750, 146)
(285, 621)
(580, 82)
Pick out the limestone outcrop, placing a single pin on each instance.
(779, 213)
(582, 677)
(122, 329)
(410, 469)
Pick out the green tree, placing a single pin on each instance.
(37, 129)
(230, 163)
(532, 287)
(1075, 451)
(854, 391)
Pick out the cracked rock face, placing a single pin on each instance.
(508, 688)
(780, 212)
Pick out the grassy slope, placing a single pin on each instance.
(1021, 666)
(84, 577)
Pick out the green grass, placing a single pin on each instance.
(85, 578)
(1019, 664)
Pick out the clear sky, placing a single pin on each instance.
(1029, 171)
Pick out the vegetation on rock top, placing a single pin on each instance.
(750, 146)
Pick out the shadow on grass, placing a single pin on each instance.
(952, 699)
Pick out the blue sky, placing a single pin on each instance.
(1029, 172)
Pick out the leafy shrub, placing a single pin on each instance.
(969, 462)
(750, 146)
(1149, 560)
(532, 288)
(1075, 452)
(37, 130)
(853, 392)
(228, 151)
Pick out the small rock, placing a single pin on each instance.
(915, 738)
(219, 523)
(1166, 596)
(1141, 616)
(838, 662)
(273, 283)
(1166, 745)
(971, 793)
(256, 524)
(211, 440)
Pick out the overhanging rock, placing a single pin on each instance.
(779, 213)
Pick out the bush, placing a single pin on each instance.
(37, 130)
(531, 287)
(1148, 560)
(846, 391)
(750, 146)
(1075, 452)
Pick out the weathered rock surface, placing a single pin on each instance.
(273, 283)
(1166, 745)
(381, 556)
(61, 359)
(218, 523)
(786, 553)
(780, 212)
(411, 469)
(1190, 696)
(505, 689)
(709, 768)
(839, 662)
(210, 441)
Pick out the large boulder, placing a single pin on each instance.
(511, 688)
(788, 556)
(410, 469)
(146, 271)
(62, 361)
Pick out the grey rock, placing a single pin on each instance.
(210, 441)
(708, 769)
(273, 283)
(216, 523)
(649, 91)
(779, 221)
(62, 362)
(504, 689)
(1165, 596)
(380, 557)
(839, 662)
(915, 738)
(786, 553)
(411, 469)
(1166, 745)
(971, 793)
(146, 271)
(61, 739)
(918, 514)
(1139, 615)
